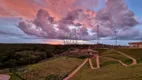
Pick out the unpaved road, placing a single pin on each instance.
(133, 59)
(91, 65)
(4, 77)
(76, 70)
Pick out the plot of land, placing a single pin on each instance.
(135, 53)
(60, 67)
(115, 55)
(111, 69)
(110, 72)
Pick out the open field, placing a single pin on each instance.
(56, 67)
(110, 72)
(135, 53)
(115, 55)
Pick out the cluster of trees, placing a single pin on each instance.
(12, 55)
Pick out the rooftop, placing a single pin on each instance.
(135, 43)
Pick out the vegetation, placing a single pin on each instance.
(53, 69)
(14, 77)
(135, 53)
(115, 55)
(46, 62)
(12, 55)
(110, 70)
(102, 50)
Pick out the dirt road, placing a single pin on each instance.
(91, 65)
(133, 59)
(76, 70)
(4, 77)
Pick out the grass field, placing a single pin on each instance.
(135, 53)
(94, 62)
(110, 72)
(101, 50)
(104, 61)
(116, 55)
(54, 68)
(14, 77)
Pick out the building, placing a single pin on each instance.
(135, 44)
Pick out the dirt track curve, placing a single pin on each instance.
(76, 70)
(133, 59)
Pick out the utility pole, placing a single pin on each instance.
(76, 35)
(97, 34)
(115, 37)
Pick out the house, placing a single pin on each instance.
(135, 44)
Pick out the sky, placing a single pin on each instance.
(52, 21)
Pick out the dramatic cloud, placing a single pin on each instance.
(56, 19)
(45, 26)
(116, 16)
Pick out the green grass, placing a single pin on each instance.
(56, 67)
(110, 72)
(94, 62)
(101, 50)
(135, 53)
(115, 55)
(14, 77)
(113, 70)
(104, 61)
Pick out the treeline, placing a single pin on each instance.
(12, 55)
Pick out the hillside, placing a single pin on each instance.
(56, 68)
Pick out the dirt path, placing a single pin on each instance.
(133, 59)
(122, 63)
(91, 65)
(4, 77)
(98, 61)
(76, 70)
(79, 67)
